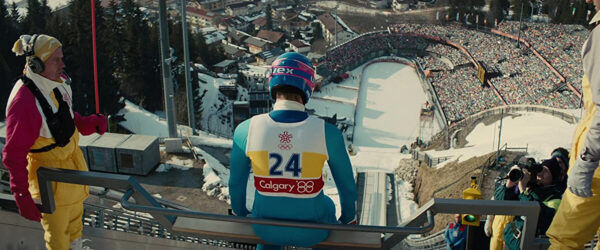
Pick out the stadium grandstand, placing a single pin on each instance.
(450, 54)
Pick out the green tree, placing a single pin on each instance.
(151, 69)
(198, 48)
(269, 17)
(297, 35)
(457, 6)
(465, 7)
(77, 43)
(35, 21)
(45, 10)
(517, 5)
(317, 32)
(140, 66)
(215, 55)
(10, 65)
(497, 10)
(113, 32)
(560, 11)
(474, 4)
(14, 13)
(580, 12)
(107, 53)
(16, 20)
(74, 31)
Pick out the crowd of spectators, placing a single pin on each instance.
(523, 77)
(559, 44)
(360, 48)
(460, 93)
(449, 52)
(518, 74)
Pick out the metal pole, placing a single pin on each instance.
(166, 68)
(93, 4)
(499, 135)
(188, 77)
(494, 139)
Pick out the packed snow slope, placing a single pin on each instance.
(390, 100)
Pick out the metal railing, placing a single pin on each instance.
(130, 222)
(529, 210)
(420, 223)
(430, 160)
(434, 241)
(144, 202)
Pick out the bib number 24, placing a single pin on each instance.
(292, 165)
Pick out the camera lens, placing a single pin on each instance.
(515, 175)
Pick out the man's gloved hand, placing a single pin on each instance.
(580, 177)
(27, 207)
(88, 125)
(101, 124)
(487, 228)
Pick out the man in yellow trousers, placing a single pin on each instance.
(43, 130)
(578, 217)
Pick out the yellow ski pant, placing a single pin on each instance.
(500, 222)
(63, 226)
(577, 218)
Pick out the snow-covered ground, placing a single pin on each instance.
(388, 112)
(337, 99)
(215, 108)
(216, 113)
(140, 121)
(540, 133)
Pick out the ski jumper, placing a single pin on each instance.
(577, 219)
(286, 150)
(27, 130)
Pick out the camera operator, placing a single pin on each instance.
(508, 190)
(536, 183)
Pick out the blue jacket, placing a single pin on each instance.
(317, 209)
(456, 236)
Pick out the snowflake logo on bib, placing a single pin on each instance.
(285, 140)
